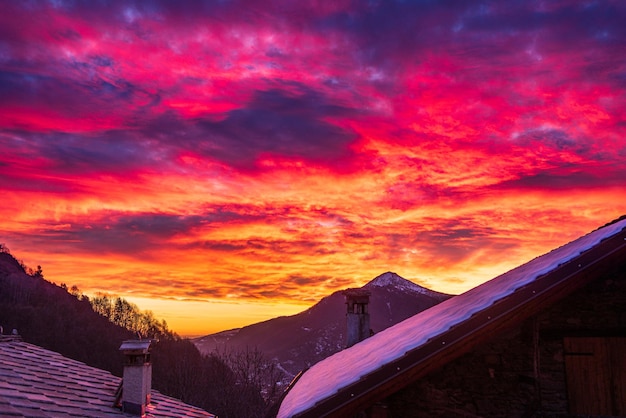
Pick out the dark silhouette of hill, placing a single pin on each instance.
(47, 315)
(299, 341)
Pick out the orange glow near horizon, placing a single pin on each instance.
(220, 165)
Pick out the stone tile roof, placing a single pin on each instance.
(35, 382)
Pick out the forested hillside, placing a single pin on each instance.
(235, 384)
(47, 315)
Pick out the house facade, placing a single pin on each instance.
(547, 339)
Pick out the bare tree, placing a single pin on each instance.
(255, 380)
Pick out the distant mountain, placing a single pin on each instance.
(299, 341)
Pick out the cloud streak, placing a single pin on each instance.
(244, 151)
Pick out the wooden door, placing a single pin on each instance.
(596, 375)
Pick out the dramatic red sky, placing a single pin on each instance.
(224, 162)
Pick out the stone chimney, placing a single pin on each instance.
(137, 380)
(357, 317)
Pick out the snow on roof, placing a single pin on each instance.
(328, 376)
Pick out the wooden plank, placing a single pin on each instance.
(577, 357)
(618, 368)
(602, 369)
(589, 378)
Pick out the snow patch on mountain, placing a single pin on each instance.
(390, 279)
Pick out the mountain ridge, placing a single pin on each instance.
(298, 341)
(392, 279)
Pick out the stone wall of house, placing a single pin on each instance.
(520, 373)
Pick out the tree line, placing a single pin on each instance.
(127, 315)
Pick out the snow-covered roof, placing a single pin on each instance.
(328, 377)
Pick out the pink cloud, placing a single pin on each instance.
(272, 140)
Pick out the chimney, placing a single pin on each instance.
(357, 317)
(137, 380)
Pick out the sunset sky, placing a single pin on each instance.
(225, 162)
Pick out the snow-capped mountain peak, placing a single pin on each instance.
(393, 280)
(303, 339)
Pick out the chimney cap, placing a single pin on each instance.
(135, 346)
(357, 295)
